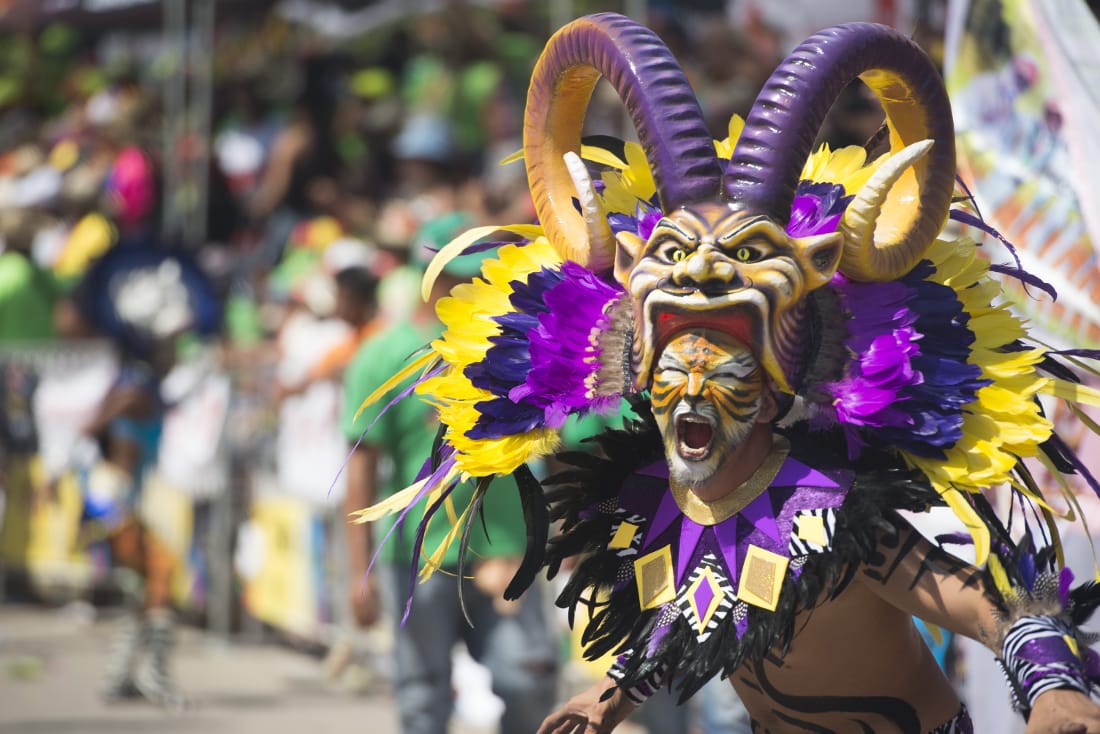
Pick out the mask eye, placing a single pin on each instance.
(672, 252)
(746, 254)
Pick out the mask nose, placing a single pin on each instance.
(707, 270)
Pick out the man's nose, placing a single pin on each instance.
(694, 386)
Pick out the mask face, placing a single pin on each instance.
(741, 272)
(707, 393)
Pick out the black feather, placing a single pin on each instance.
(537, 519)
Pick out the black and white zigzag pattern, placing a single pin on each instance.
(726, 597)
(1029, 679)
(800, 546)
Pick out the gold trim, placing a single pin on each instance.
(712, 513)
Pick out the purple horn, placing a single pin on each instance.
(780, 130)
(659, 99)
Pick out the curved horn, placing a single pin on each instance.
(661, 104)
(779, 133)
(596, 227)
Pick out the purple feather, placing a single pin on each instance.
(1065, 580)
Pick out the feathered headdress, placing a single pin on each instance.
(898, 335)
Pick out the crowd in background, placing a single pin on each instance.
(335, 170)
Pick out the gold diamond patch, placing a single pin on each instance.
(654, 577)
(811, 528)
(624, 536)
(762, 577)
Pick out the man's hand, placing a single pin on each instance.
(1064, 711)
(365, 607)
(585, 713)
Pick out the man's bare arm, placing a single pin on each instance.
(917, 577)
(362, 491)
(927, 582)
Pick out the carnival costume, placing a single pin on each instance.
(905, 381)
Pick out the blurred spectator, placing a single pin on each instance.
(298, 181)
(128, 426)
(356, 290)
(27, 291)
(511, 638)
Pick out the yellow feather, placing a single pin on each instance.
(458, 245)
(1071, 497)
(394, 503)
(602, 156)
(406, 372)
(1000, 578)
(973, 522)
(1056, 538)
(434, 562)
(1071, 392)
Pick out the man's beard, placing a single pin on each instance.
(693, 473)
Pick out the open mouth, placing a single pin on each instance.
(694, 434)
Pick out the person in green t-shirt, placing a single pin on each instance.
(27, 291)
(511, 638)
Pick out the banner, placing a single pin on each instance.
(1023, 78)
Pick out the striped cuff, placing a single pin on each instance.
(1041, 653)
(643, 689)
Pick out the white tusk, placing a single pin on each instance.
(600, 239)
(858, 223)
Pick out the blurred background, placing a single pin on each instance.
(185, 185)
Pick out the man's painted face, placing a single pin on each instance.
(707, 392)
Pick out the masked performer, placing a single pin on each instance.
(808, 352)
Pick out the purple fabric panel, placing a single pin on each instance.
(690, 533)
(658, 469)
(796, 474)
(725, 533)
(1048, 650)
(667, 513)
(762, 516)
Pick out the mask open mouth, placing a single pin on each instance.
(694, 436)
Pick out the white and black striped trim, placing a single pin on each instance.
(1029, 679)
(800, 546)
(726, 597)
(645, 688)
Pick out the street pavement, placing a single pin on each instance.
(51, 661)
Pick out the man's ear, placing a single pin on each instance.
(628, 250)
(769, 408)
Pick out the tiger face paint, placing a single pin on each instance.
(707, 393)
